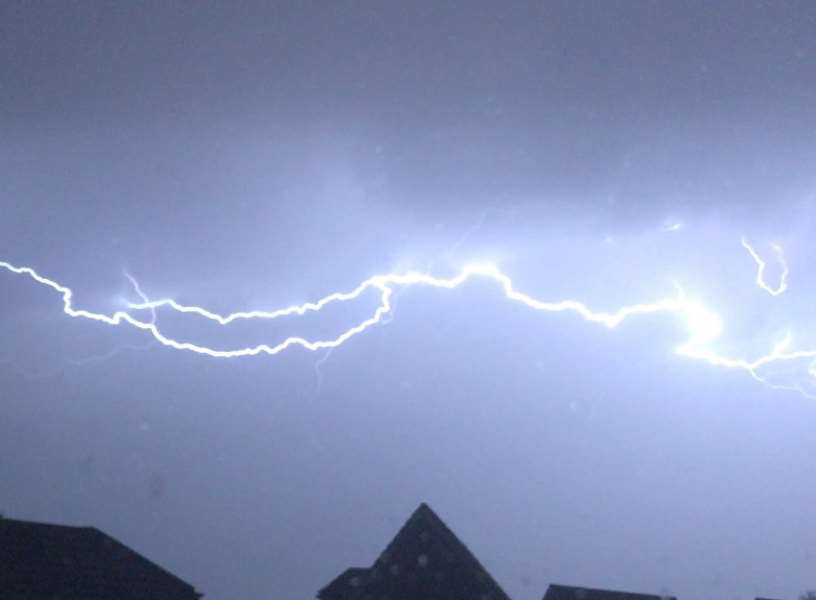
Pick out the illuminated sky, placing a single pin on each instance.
(252, 157)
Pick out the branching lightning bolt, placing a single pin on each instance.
(704, 326)
(94, 358)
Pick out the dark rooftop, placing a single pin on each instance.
(567, 592)
(39, 560)
(424, 560)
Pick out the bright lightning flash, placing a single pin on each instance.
(703, 325)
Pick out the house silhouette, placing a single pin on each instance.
(39, 561)
(425, 560)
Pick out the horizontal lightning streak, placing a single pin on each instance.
(119, 317)
(704, 326)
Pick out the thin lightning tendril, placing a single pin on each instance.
(704, 326)
(762, 265)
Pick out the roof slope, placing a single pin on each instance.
(424, 560)
(568, 592)
(43, 560)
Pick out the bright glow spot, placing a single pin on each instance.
(705, 326)
(670, 226)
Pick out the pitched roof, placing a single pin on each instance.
(346, 585)
(425, 559)
(39, 559)
(567, 592)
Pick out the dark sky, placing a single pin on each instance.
(251, 155)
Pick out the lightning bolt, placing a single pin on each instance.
(762, 265)
(95, 358)
(704, 326)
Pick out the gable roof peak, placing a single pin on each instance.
(425, 558)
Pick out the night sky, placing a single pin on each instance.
(253, 155)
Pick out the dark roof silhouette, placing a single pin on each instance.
(568, 592)
(39, 561)
(425, 560)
